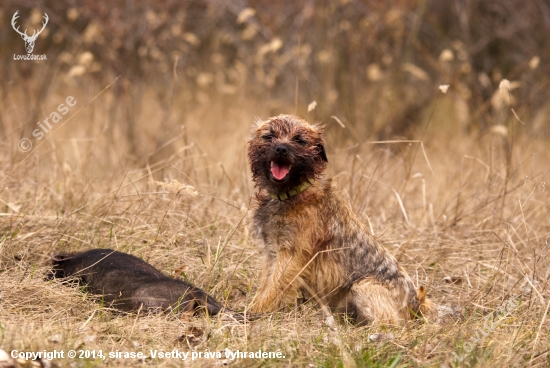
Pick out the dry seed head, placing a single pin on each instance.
(500, 130)
(245, 14)
(175, 186)
(374, 73)
(444, 88)
(415, 71)
(534, 62)
(504, 85)
(446, 55)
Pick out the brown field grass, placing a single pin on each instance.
(467, 216)
(452, 184)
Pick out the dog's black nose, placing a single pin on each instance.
(281, 150)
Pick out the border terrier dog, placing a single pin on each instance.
(311, 240)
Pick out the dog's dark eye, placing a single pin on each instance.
(298, 139)
(267, 137)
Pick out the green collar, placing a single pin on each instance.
(299, 189)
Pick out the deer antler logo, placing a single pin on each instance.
(29, 40)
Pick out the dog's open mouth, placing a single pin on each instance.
(280, 170)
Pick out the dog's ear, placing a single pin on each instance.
(257, 123)
(322, 152)
(321, 145)
(254, 128)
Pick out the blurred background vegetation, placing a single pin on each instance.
(375, 65)
(194, 74)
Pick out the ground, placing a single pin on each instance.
(465, 213)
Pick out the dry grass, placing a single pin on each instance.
(463, 204)
(472, 225)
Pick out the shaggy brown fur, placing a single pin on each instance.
(131, 284)
(310, 238)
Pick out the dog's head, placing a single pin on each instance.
(284, 152)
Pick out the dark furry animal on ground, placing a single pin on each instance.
(130, 284)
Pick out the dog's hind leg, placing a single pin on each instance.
(376, 303)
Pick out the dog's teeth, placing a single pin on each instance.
(289, 167)
(272, 163)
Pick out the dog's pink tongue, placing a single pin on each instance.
(279, 171)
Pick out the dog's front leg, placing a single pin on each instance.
(279, 284)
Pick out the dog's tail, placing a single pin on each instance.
(434, 312)
(427, 308)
